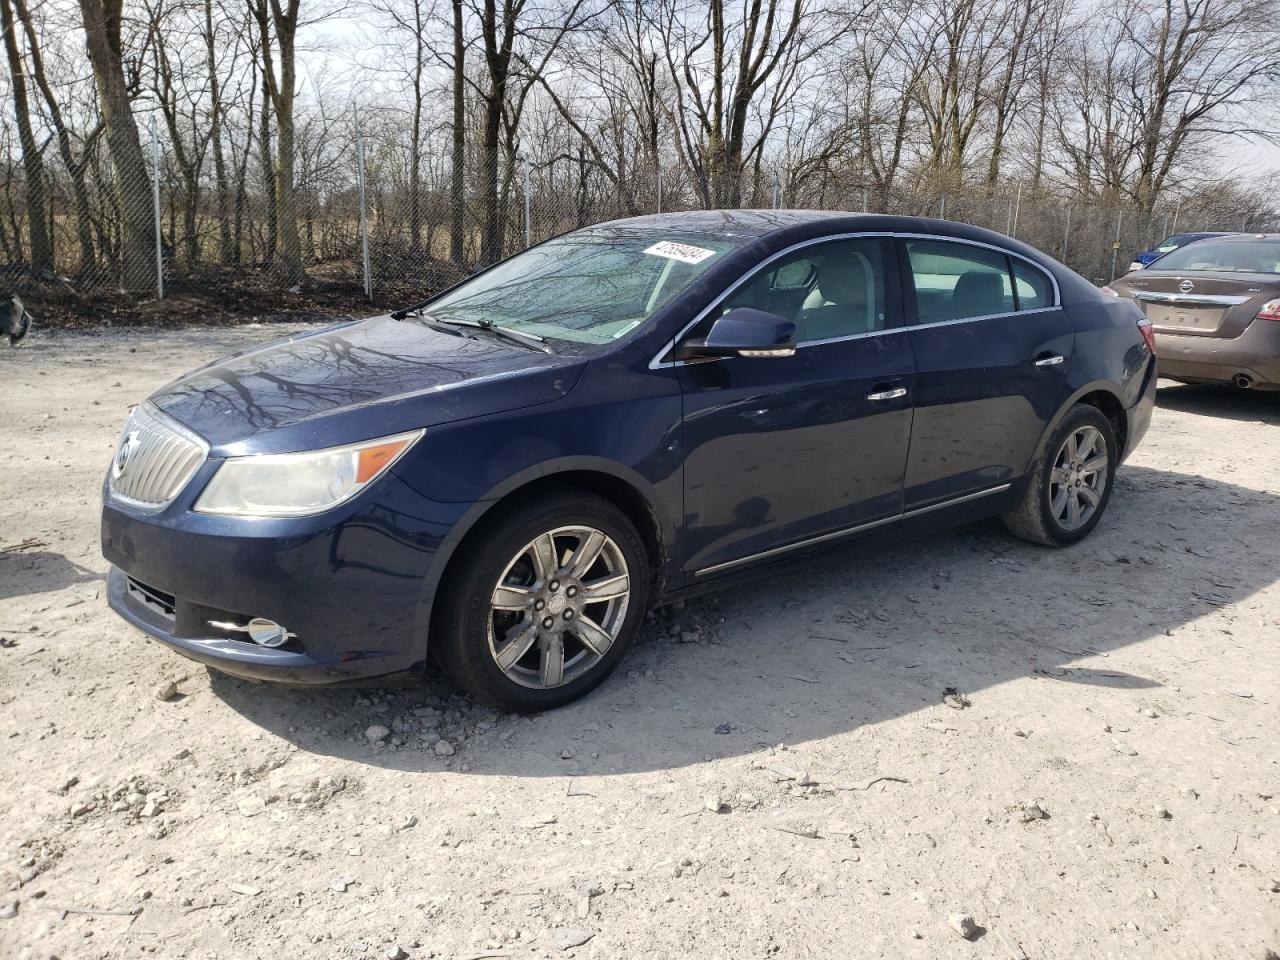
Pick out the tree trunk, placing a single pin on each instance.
(75, 167)
(102, 20)
(226, 251)
(32, 163)
(289, 254)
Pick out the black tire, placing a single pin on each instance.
(1033, 518)
(461, 639)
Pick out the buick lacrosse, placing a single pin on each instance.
(505, 477)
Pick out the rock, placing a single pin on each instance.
(150, 809)
(566, 938)
(1162, 812)
(340, 885)
(724, 729)
(444, 748)
(1019, 732)
(1189, 793)
(1033, 811)
(1149, 713)
(377, 733)
(567, 753)
(395, 952)
(167, 690)
(243, 889)
(962, 923)
(67, 784)
(954, 699)
(250, 806)
(1124, 749)
(714, 803)
(80, 809)
(8, 909)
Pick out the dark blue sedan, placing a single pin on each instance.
(508, 475)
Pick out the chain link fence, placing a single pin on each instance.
(376, 217)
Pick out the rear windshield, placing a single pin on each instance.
(586, 288)
(1224, 256)
(1169, 244)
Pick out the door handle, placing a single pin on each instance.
(1050, 361)
(893, 394)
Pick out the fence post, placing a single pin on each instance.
(1177, 210)
(1115, 246)
(528, 223)
(864, 199)
(942, 207)
(657, 178)
(776, 198)
(364, 220)
(155, 205)
(1066, 236)
(1017, 209)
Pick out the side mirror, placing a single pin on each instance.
(743, 332)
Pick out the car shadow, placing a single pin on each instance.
(28, 572)
(1221, 401)
(848, 639)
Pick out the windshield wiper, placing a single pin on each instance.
(506, 333)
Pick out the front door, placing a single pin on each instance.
(781, 450)
(992, 351)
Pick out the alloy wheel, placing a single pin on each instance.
(1078, 478)
(558, 607)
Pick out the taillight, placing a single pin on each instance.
(1270, 310)
(1108, 292)
(1148, 334)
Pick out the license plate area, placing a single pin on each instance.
(1184, 318)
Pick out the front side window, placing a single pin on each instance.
(831, 290)
(586, 288)
(1223, 256)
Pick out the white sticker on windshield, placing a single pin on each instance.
(679, 251)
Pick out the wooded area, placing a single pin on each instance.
(486, 123)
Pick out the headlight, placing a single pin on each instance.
(300, 484)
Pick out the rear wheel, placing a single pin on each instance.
(544, 603)
(1070, 485)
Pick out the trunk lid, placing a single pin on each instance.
(1199, 304)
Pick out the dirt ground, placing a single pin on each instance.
(1112, 790)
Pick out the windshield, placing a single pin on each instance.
(589, 287)
(1224, 256)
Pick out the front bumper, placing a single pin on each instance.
(355, 588)
(1255, 353)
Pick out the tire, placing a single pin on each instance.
(542, 595)
(1045, 514)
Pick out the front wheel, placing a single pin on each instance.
(1070, 486)
(544, 603)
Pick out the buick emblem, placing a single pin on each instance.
(123, 453)
(1186, 286)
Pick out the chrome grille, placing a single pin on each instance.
(155, 458)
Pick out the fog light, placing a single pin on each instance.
(264, 632)
(268, 633)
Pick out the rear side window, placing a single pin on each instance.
(956, 281)
(1034, 289)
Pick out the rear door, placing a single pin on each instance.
(992, 349)
(782, 450)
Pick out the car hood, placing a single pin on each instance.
(357, 381)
